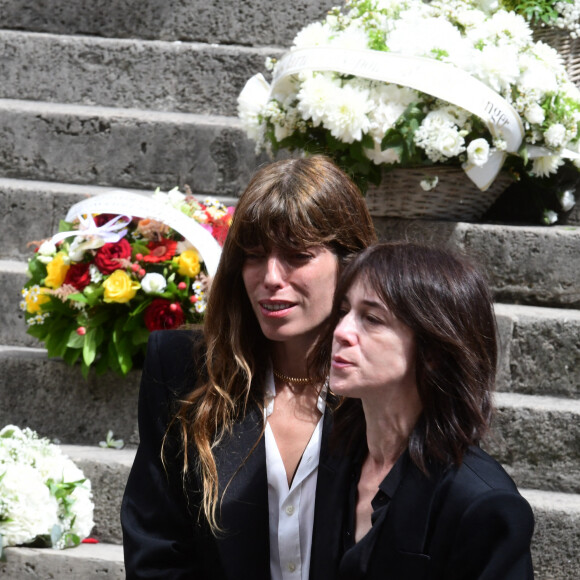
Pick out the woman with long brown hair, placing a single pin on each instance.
(414, 350)
(232, 432)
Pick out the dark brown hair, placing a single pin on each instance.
(445, 300)
(292, 204)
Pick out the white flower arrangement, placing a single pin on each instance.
(369, 125)
(44, 497)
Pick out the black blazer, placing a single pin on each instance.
(163, 535)
(466, 523)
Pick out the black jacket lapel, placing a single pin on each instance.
(244, 545)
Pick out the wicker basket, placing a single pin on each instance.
(568, 47)
(454, 198)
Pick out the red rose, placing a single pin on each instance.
(160, 251)
(163, 314)
(78, 276)
(107, 258)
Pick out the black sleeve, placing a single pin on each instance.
(160, 535)
(492, 540)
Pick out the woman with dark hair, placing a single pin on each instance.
(232, 433)
(414, 349)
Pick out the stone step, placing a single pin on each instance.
(85, 562)
(56, 401)
(232, 22)
(130, 73)
(555, 545)
(108, 470)
(525, 264)
(536, 439)
(124, 147)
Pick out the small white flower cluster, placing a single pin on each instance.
(43, 494)
(200, 295)
(31, 294)
(569, 16)
(491, 44)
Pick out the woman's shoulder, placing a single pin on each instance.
(173, 360)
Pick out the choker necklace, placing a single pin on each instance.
(287, 379)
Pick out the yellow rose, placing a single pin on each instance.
(188, 263)
(56, 271)
(35, 298)
(119, 287)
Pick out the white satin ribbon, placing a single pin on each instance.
(129, 204)
(110, 233)
(442, 80)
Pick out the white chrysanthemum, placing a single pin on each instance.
(390, 103)
(354, 37)
(536, 76)
(547, 165)
(251, 102)
(555, 135)
(426, 37)
(346, 116)
(549, 55)
(315, 95)
(534, 114)
(478, 152)
(28, 506)
(507, 28)
(497, 67)
(153, 283)
(315, 34)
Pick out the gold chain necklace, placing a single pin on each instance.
(287, 379)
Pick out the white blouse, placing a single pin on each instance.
(291, 509)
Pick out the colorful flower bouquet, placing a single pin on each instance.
(45, 499)
(563, 14)
(385, 84)
(122, 266)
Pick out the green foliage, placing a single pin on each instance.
(534, 11)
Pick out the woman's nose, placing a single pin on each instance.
(274, 272)
(345, 330)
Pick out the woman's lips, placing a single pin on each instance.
(275, 309)
(340, 363)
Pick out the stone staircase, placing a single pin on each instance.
(97, 94)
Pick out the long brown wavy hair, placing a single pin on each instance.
(446, 302)
(291, 204)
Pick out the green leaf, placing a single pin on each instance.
(75, 340)
(90, 347)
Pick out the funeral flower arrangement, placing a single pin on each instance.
(369, 125)
(99, 287)
(45, 499)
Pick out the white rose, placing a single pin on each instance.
(567, 200)
(478, 152)
(46, 251)
(153, 283)
(449, 142)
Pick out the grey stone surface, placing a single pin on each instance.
(124, 148)
(167, 76)
(85, 562)
(56, 401)
(107, 470)
(541, 350)
(537, 439)
(31, 211)
(556, 541)
(12, 324)
(232, 22)
(525, 264)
